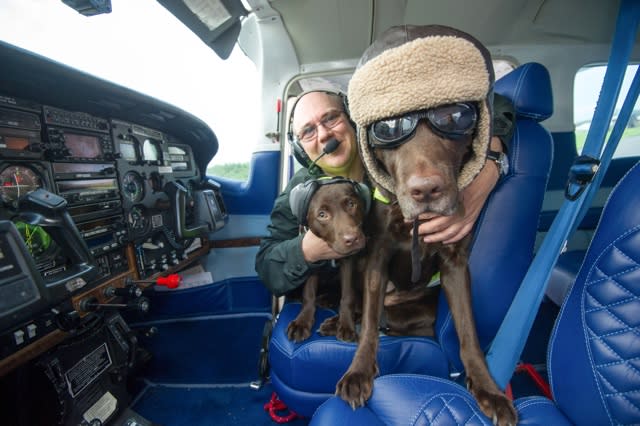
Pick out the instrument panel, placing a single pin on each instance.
(132, 194)
(101, 192)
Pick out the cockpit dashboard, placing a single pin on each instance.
(99, 186)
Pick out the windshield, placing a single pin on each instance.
(142, 46)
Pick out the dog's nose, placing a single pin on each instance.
(425, 189)
(350, 239)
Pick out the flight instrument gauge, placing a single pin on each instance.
(137, 220)
(133, 187)
(16, 181)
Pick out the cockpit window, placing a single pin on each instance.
(586, 90)
(142, 46)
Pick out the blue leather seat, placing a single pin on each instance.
(305, 374)
(593, 351)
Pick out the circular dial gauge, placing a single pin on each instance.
(137, 220)
(133, 187)
(15, 181)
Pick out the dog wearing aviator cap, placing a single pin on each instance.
(421, 98)
(412, 68)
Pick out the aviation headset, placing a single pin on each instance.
(301, 195)
(296, 146)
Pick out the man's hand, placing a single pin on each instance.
(315, 248)
(450, 229)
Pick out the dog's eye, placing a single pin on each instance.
(322, 214)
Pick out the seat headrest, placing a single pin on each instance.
(529, 88)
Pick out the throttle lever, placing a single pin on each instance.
(170, 281)
(140, 304)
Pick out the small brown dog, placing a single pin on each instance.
(333, 209)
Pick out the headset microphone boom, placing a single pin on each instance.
(330, 147)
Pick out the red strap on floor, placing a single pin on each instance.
(536, 377)
(276, 405)
(509, 392)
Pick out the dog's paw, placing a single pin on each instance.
(329, 327)
(298, 331)
(346, 334)
(334, 327)
(355, 387)
(495, 405)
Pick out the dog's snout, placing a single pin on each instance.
(350, 239)
(425, 189)
(353, 240)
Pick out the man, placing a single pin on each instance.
(286, 258)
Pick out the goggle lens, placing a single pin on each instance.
(451, 121)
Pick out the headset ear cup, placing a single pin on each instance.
(299, 154)
(299, 199)
(365, 194)
(295, 199)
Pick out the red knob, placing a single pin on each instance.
(170, 281)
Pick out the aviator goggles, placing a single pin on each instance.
(451, 121)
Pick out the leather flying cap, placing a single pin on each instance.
(410, 68)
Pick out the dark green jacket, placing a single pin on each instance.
(280, 263)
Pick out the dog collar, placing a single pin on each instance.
(377, 195)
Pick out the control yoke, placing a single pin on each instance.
(178, 199)
(48, 210)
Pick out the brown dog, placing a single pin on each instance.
(421, 98)
(425, 170)
(334, 210)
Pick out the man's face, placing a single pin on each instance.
(313, 109)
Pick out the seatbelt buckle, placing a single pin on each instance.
(581, 173)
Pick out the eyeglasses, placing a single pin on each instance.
(330, 120)
(452, 121)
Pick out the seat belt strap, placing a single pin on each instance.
(507, 346)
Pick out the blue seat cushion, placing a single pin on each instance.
(305, 374)
(408, 399)
(537, 410)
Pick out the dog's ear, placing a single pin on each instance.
(299, 199)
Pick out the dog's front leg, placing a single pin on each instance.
(300, 328)
(356, 385)
(456, 283)
(343, 325)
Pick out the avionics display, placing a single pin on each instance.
(87, 190)
(87, 186)
(15, 143)
(128, 151)
(151, 150)
(83, 146)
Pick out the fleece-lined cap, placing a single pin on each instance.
(410, 68)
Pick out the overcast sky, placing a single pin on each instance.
(142, 46)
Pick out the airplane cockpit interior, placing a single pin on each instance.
(103, 202)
